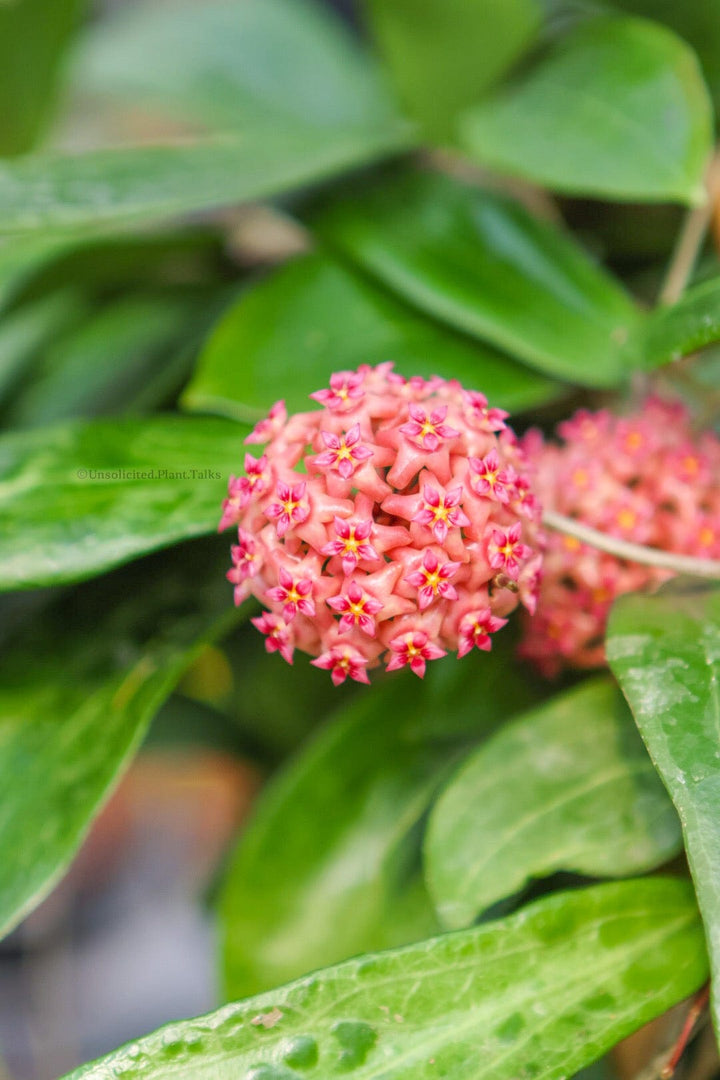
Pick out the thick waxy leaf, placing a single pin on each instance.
(76, 694)
(665, 652)
(80, 191)
(443, 54)
(539, 994)
(33, 35)
(82, 497)
(693, 322)
(278, 63)
(484, 265)
(619, 108)
(569, 786)
(313, 317)
(332, 835)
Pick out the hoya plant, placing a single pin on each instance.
(373, 354)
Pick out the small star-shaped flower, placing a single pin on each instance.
(506, 551)
(295, 595)
(346, 388)
(428, 431)
(475, 629)
(438, 511)
(489, 479)
(291, 507)
(433, 579)
(351, 543)
(344, 452)
(247, 561)
(278, 636)
(357, 609)
(412, 649)
(241, 489)
(343, 661)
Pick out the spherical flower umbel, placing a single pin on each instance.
(645, 477)
(392, 525)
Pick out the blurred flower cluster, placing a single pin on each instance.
(393, 524)
(645, 477)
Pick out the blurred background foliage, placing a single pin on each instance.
(205, 206)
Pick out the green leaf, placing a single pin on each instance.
(680, 329)
(21, 257)
(539, 994)
(444, 54)
(482, 264)
(276, 706)
(106, 265)
(115, 358)
(695, 20)
(617, 109)
(62, 520)
(665, 652)
(313, 317)
(279, 64)
(102, 187)
(29, 328)
(76, 694)
(568, 786)
(33, 36)
(292, 99)
(336, 831)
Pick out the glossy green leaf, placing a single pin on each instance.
(665, 652)
(313, 317)
(539, 994)
(292, 98)
(80, 498)
(25, 331)
(617, 109)
(334, 833)
(485, 266)
(102, 187)
(443, 54)
(116, 358)
(682, 328)
(279, 64)
(569, 786)
(33, 36)
(77, 691)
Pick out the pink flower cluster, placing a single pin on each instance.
(410, 530)
(644, 477)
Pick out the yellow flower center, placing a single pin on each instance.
(432, 579)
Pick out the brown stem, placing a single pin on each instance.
(691, 239)
(694, 1013)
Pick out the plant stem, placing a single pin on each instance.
(625, 549)
(690, 239)
(694, 1013)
